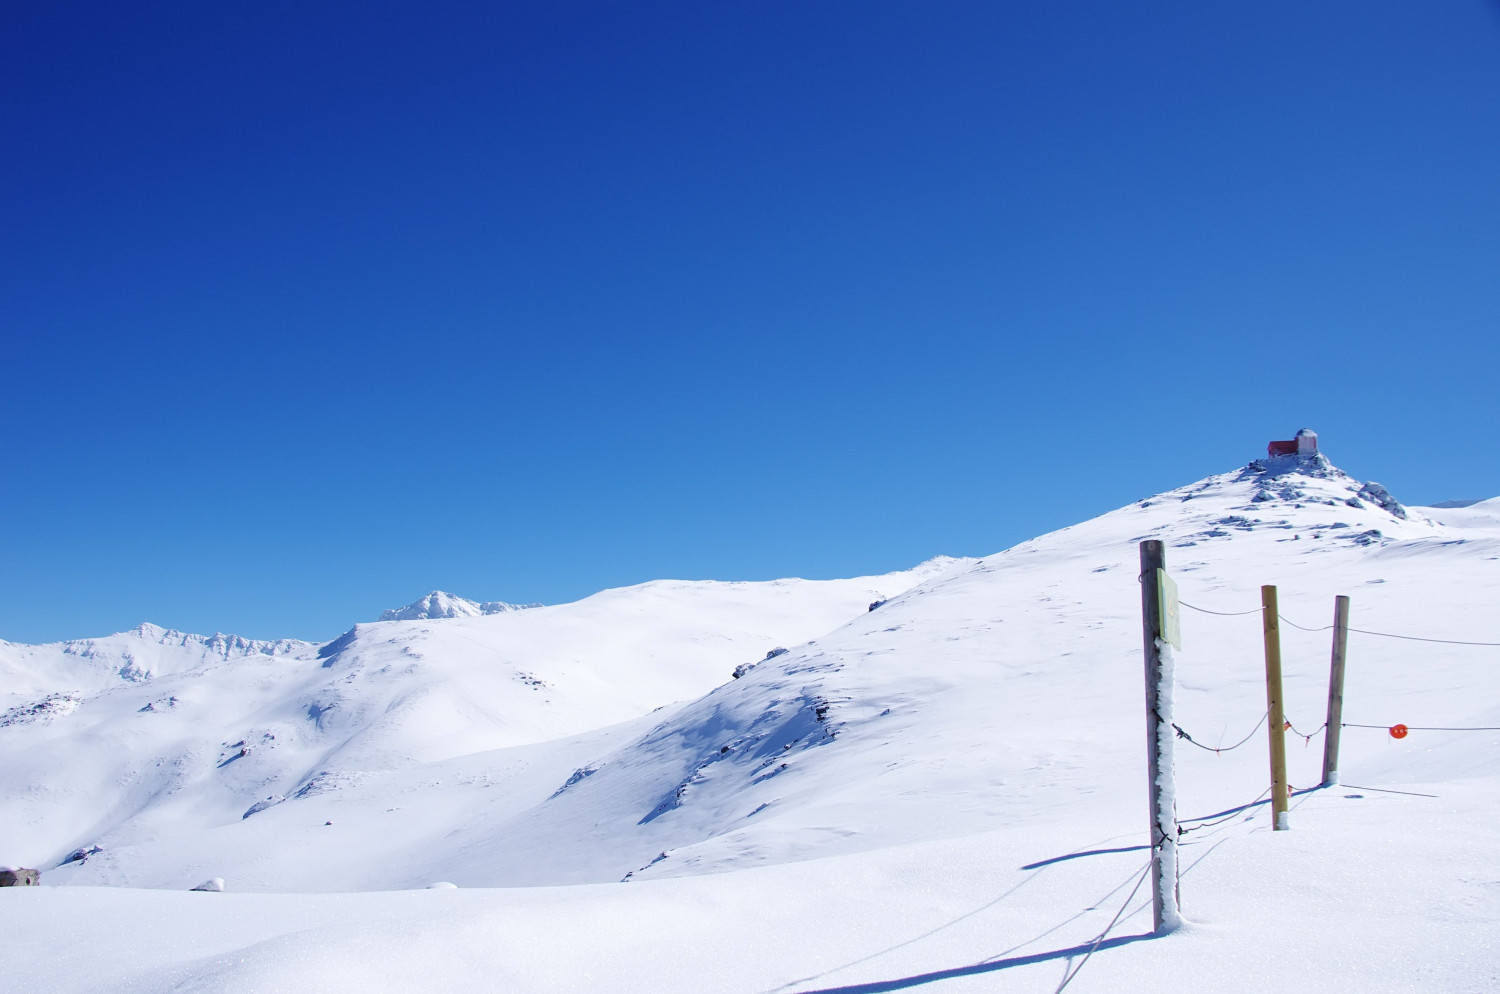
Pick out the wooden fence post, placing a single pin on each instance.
(1276, 722)
(1165, 898)
(1336, 691)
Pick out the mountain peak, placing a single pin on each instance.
(1299, 456)
(441, 604)
(1314, 464)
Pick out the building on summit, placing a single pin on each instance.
(1305, 444)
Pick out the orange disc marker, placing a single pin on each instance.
(1398, 731)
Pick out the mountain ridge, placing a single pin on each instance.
(522, 748)
(206, 742)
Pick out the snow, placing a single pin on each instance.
(1481, 514)
(941, 794)
(440, 604)
(388, 708)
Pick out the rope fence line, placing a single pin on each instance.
(1327, 628)
(1428, 728)
(1222, 614)
(1385, 790)
(1416, 638)
(1228, 816)
(1218, 749)
(1304, 628)
(1161, 602)
(1387, 635)
(1307, 737)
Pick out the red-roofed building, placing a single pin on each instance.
(1305, 444)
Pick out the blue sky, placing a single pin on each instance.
(309, 309)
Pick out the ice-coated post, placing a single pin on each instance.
(1165, 898)
(1336, 691)
(1275, 707)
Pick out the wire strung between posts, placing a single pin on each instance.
(1068, 978)
(1307, 735)
(1217, 749)
(1415, 638)
(1325, 628)
(1385, 790)
(1387, 635)
(1222, 614)
(1426, 728)
(1229, 817)
(1304, 628)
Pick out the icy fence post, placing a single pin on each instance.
(1336, 691)
(1159, 775)
(1276, 724)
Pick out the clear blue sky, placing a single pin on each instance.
(310, 308)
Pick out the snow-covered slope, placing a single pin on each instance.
(1005, 689)
(158, 743)
(1481, 514)
(946, 790)
(136, 656)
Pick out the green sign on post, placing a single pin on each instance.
(1166, 596)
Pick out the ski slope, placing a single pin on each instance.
(944, 793)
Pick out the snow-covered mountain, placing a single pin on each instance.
(136, 656)
(1481, 514)
(864, 811)
(158, 740)
(440, 604)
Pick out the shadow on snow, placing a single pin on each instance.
(979, 969)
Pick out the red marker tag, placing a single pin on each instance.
(1287, 726)
(1398, 731)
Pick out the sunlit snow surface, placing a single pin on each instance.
(945, 793)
